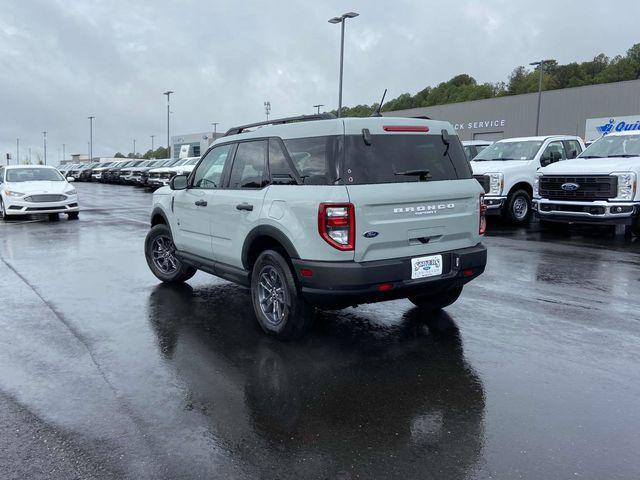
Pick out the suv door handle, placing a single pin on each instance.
(201, 203)
(245, 206)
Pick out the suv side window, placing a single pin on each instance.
(553, 153)
(281, 173)
(573, 148)
(248, 170)
(309, 156)
(208, 174)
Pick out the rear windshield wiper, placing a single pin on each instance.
(589, 156)
(623, 155)
(423, 174)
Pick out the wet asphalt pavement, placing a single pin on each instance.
(105, 373)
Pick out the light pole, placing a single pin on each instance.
(540, 65)
(91, 138)
(64, 152)
(318, 107)
(152, 137)
(215, 128)
(341, 20)
(44, 140)
(267, 108)
(168, 94)
(17, 152)
(134, 148)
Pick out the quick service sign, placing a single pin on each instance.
(599, 127)
(476, 125)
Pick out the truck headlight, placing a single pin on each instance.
(496, 183)
(536, 186)
(626, 185)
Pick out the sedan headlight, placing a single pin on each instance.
(9, 193)
(496, 183)
(626, 185)
(536, 185)
(71, 191)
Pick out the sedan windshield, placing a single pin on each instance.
(614, 146)
(502, 151)
(33, 175)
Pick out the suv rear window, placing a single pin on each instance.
(390, 155)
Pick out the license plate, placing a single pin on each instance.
(423, 267)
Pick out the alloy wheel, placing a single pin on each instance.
(163, 255)
(271, 295)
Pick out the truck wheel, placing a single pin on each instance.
(2, 214)
(159, 251)
(518, 208)
(429, 301)
(280, 308)
(635, 228)
(73, 215)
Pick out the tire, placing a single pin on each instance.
(159, 251)
(280, 309)
(436, 301)
(73, 215)
(635, 228)
(2, 214)
(517, 211)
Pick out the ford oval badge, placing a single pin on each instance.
(370, 234)
(570, 187)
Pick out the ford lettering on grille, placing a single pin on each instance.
(570, 187)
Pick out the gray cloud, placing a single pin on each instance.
(61, 61)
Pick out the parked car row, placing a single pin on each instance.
(143, 173)
(562, 181)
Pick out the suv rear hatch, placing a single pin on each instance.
(413, 194)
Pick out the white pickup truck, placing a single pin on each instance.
(600, 186)
(507, 171)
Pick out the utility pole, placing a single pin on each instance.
(267, 108)
(91, 138)
(168, 94)
(318, 107)
(44, 140)
(540, 64)
(342, 20)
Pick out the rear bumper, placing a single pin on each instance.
(594, 212)
(341, 284)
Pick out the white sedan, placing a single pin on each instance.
(32, 189)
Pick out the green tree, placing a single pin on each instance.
(118, 155)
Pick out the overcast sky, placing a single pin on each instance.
(61, 61)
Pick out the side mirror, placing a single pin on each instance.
(71, 179)
(179, 182)
(544, 161)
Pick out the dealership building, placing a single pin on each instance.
(584, 111)
(192, 144)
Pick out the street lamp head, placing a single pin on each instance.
(168, 92)
(350, 15)
(335, 20)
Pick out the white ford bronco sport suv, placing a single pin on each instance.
(507, 170)
(598, 187)
(322, 212)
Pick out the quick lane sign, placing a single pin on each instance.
(598, 127)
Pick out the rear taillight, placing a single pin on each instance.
(483, 217)
(337, 225)
(406, 128)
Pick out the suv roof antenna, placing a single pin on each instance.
(377, 113)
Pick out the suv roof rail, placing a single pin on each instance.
(280, 121)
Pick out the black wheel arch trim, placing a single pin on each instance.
(267, 231)
(157, 211)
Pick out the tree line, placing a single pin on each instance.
(160, 152)
(464, 88)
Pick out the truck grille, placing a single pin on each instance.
(590, 187)
(45, 198)
(484, 181)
